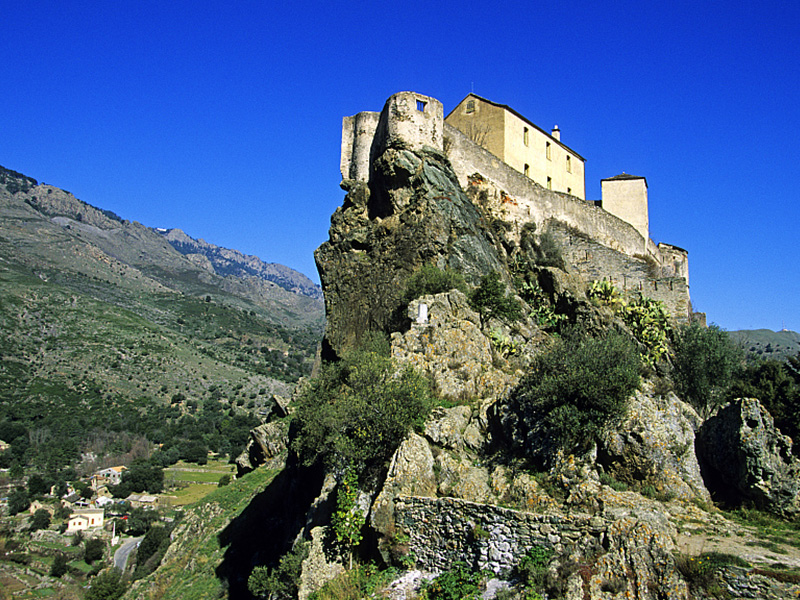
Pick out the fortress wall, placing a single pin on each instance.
(444, 531)
(358, 137)
(532, 202)
(631, 275)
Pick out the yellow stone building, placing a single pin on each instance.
(520, 144)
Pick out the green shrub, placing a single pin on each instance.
(490, 300)
(429, 279)
(532, 569)
(106, 586)
(358, 411)
(281, 582)
(354, 584)
(457, 584)
(649, 321)
(575, 390)
(541, 309)
(347, 520)
(705, 362)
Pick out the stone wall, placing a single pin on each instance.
(444, 531)
(528, 201)
(632, 275)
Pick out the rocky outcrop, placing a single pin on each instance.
(411, 473)
(268, 446)
(655, 446)
(744, 457)
(445, 341)
(412, 212)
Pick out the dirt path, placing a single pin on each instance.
(701, 532)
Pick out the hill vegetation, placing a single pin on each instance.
(112, 341)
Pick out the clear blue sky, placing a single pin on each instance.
(224, 119)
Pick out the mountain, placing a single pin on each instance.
(768, 344)
(106, 330)
(226, 262)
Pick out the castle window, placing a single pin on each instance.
(525, 135)
(421, 105)
(547, 150)
(470, 106)
(525, 170)
(569, 164)
(549, 183)
(569, 190)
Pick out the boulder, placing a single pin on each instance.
(267, 446)
(411, 212)
(322, 564)
(410, 474)
(655, 446)
(744, 457)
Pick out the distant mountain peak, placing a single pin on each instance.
(233, 262)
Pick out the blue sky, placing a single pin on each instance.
(224, 119)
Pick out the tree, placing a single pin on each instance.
(40, 520)
(142, 476)
(18, 501)
(37, 486)
(574, 391)
(59, 566)
(705, 362)
(93, 549)
(106, 586)
(490, 300)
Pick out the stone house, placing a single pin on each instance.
(89, 518)
(109, 476)
(521, 144)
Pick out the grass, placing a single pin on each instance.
(772, 530)
(217, 508)
(192, 493)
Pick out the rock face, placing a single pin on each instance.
(655, 446)
(411, 212)
(446, 342)
(267, 446)
(745, 457)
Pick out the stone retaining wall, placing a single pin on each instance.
(443, 531)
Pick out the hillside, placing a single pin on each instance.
(765, 343)
(103, 320)
(489, 415)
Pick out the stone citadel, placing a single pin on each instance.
(523, 174)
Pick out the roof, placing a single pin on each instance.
(86, 512)
(522, 117)
(624, 176)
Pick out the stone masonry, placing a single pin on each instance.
(444, 531)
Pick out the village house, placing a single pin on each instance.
(109, 476)
(88, 518)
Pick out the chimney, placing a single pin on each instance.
(556, 133)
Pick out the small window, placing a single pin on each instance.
(569, 190)
(569, 164)
(470, 106)
(526, 170)
(525, 135)
(549, 183)
(421, 105)
(547, 150)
